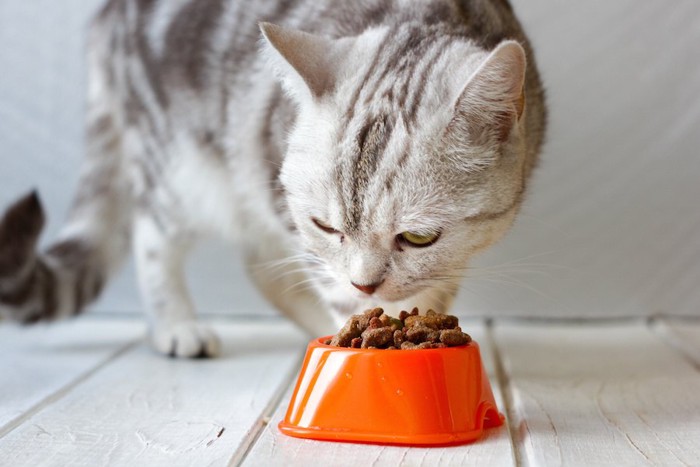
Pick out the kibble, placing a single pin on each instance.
(373, 329)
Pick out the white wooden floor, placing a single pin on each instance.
(90, 392)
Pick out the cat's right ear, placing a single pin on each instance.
(307, 64)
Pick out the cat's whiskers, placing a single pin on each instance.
(437, 295)
(302, 271)
(308, 283)
(503, 279)
(290, 268)
(300, 286)
(495, 274)
(520, 262)
(303, 257)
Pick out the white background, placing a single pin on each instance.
(611, 226)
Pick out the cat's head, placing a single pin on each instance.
(406, 157)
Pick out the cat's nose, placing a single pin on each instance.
(369, 288)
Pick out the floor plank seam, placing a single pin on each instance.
(262, 422)
(63, 391)
(504, 384)
(659, 328)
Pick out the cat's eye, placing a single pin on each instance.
(323, 226)
(418, 239)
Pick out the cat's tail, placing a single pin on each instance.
(60, 281)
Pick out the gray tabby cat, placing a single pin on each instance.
(360, 162)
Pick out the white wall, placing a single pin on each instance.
(611, 223)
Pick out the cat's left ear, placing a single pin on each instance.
(494, 98)
(307, 63)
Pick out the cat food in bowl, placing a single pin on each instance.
(375, 330)
(407, 395)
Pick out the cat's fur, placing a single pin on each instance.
(393, 116)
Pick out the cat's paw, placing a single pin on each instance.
(185, 339)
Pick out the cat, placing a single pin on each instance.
(360, 152)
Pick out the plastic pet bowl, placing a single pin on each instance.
(410, 397)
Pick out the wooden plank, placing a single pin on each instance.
(38, 363)
(610, 394)
(144, 409)
(274, 448)
(683, 335)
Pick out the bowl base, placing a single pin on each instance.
(491, 418)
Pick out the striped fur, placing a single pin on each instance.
(383, 116)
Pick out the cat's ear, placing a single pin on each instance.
(493, 99)
(305, 60)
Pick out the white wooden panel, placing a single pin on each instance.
(145, 409)
(494, 449)
(682, 334)
(39, 363)
(600, 395)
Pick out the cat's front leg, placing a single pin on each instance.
(160, 257)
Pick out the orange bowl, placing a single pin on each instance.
(410, 397)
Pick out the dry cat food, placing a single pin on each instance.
(375, 330)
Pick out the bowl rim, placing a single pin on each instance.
(320, 342)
